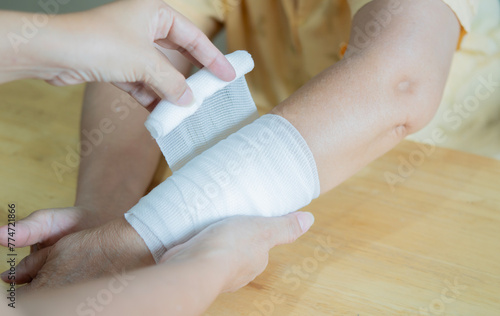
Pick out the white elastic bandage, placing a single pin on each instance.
(220, 109)
(263, 169)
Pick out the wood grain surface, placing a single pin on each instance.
(428, 245)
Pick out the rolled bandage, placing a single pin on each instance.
(263, 169)
(220, 109)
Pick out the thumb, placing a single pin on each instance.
(28, 231)
(28, 268)
(288, 228)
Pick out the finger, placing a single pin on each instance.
(28, 231)
(41, 228)
(286, 229)
(171, 85)
(166, 44)
(28, 268)
(143, 94)
(192, 41)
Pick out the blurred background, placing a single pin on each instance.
(41, 5)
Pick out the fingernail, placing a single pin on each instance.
(187, 98)
(306, 220)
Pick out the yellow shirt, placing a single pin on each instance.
(291, 41)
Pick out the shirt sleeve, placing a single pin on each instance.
(465, 10)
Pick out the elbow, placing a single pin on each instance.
(414, 101)
(412, 84)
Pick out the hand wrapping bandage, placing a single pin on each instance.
(224, 164)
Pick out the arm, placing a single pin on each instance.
(364, 105)
(113, 176)
(336, 124)
(118, 171)
(68, 49)
(222, 258)
(357, 109)
(361, 107)
(118, 155)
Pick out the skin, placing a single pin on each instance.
(222, 258)
(108, 186)
(156, 28)
(68, 49)
(350, 114)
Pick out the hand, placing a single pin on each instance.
(43, 228)
(120, 43)
(223, 257)
(239, 247)
(84, 255)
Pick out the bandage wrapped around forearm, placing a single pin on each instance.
(263, 169)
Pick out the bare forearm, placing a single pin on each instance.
(118, 156)
(364, 105)
(117, 172)
(21, 46)
(180, 287)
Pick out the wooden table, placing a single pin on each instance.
(429, 245)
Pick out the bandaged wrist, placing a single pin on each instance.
(263, 169)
